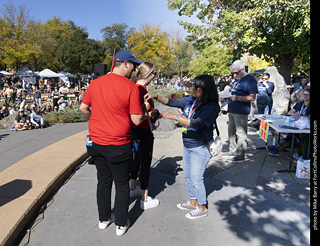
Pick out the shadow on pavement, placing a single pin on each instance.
(13, 190)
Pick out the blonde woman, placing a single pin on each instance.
(143, 139)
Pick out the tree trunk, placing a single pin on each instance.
(286, 64)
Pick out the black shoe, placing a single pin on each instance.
(236, 159)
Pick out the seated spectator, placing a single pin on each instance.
(22, 122)
(70, 103)
(303, 84)
(302, 108)
(299, 110)
(23, 104)
(36, 118)
(62, 103)
(13, 109)
(63, 91)
(4, 111)
(33, 106)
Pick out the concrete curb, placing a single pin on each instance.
(26, 185)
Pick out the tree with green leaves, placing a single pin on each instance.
(78, 54)
(15, 45)
(114, 38)
(53, 32)
(214, 60)
(26, 42)
(274, 29)
(183, 51)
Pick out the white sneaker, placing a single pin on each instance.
(186, 206)
(197, 213)
(121, 230)
(150, 203)
(227, 155)
(135, 192)
(104, 224)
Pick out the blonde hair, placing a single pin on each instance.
(142, 71)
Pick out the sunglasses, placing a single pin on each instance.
(237, 73)
(155, 74)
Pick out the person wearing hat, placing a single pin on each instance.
(81, 94)
(112, 104)
(22, 122)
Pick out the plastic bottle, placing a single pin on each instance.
(89, 141)
(266, 110)
(291, 121)
(273, 112)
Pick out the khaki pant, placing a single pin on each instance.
(237, 131)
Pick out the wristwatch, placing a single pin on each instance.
(178, 116)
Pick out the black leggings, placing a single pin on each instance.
(143, 156)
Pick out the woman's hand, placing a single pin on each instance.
(168, 115)
(296, 116)
(147, 105)
(150, 96)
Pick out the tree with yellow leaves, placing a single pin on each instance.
(151, 44)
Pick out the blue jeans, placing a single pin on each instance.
(195, 161)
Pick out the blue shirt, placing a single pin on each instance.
(244, 87)
(265, 93)
(302, 109)
(202, 119)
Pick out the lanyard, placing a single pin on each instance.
(303, 109)
(193, 109)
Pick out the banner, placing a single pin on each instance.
(264, 129)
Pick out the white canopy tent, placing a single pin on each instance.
(5, 73)
(48, 73)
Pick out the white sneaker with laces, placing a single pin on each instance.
(104, 224)
(150, 203)
(197, 213)
(121, 230)
(135, 192)
(186, 206)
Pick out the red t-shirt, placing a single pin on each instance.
(145, 124)
(112, 98)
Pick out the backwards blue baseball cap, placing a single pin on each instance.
(126, 55)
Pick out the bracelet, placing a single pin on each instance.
(178, 116)
(162, 100)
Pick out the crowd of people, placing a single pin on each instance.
(120, 109)
(35, 99)
(122, 116)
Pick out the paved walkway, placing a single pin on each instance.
(33, 163)
(249, 203)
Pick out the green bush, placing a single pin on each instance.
(69, 115)
(167, 92)
(72, 115)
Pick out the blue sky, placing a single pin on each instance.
(93, 15)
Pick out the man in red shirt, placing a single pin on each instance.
(112, 104)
